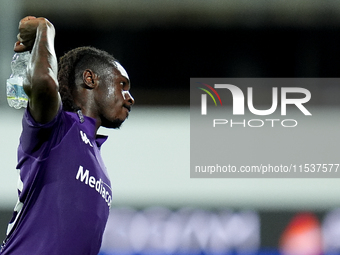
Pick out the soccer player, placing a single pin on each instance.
(64, 189)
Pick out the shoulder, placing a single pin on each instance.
(35, 136)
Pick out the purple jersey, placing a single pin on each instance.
(64, 189)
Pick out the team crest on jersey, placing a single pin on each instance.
(84, 138)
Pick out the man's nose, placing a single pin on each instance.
(128, 97)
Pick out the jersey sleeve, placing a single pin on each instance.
(37, 138)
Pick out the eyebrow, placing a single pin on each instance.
(126, 78)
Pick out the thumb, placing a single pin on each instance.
(19, 47)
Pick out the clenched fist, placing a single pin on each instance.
(28, 27)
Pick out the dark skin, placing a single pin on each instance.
(104, 97)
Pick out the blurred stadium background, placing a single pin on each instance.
(157, 208)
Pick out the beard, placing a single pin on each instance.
(115, 124)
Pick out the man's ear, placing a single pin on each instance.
(90, 79)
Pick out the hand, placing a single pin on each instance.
(27, 33)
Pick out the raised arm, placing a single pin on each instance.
(37, 35)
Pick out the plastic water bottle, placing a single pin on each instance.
(16, 96)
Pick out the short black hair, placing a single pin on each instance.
(72, 64)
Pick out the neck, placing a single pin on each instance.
(82, 113)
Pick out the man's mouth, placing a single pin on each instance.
(128, 107)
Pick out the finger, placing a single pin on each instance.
(28, 18)
(19, 47)
(24, 20)
(19, 38)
